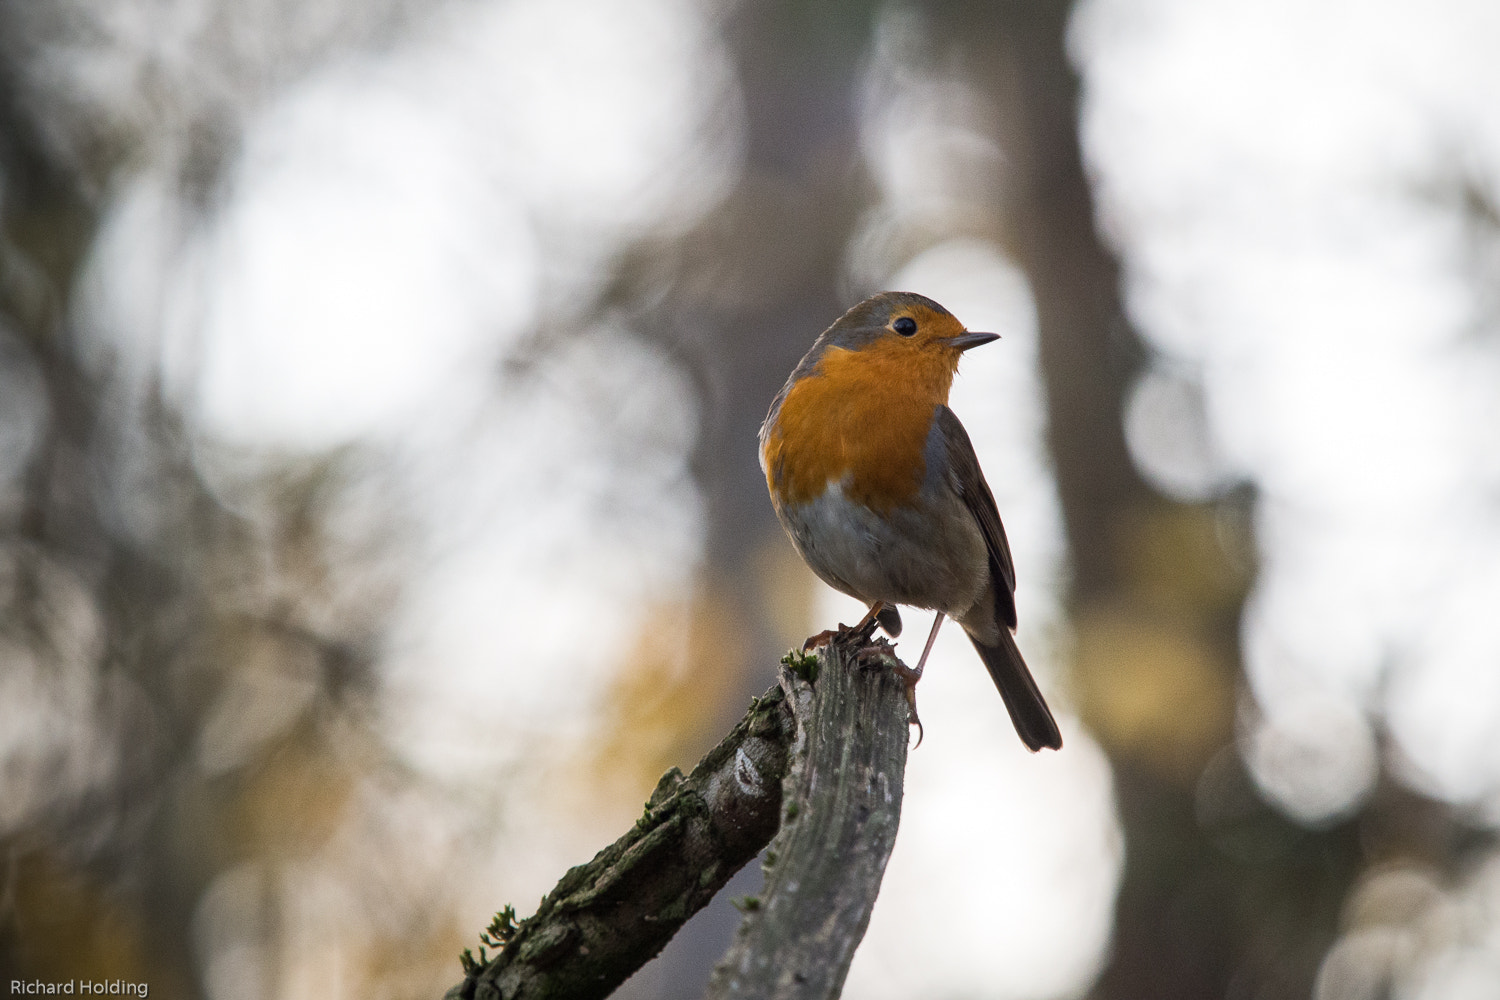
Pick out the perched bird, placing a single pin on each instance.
(876, 482)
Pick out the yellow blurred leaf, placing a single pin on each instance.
(1152, 690)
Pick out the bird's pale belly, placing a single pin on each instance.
(906, 556)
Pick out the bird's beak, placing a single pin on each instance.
(964, 341)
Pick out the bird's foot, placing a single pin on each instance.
(823, 638)
(881, 615)
(855, 635)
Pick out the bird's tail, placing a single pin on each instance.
(1034, 722)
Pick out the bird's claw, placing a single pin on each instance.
(856, 635)
(863, 635)
(823, 638)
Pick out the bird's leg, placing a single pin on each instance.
(931, 638)
(863, 630)
(910, 677)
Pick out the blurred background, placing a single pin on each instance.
(380, 513)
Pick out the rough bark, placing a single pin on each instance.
(606, 918)
(842, 804)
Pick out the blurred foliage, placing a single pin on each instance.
(665, 703)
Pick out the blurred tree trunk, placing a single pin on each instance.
(1157, 587)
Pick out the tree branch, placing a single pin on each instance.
(842, 804)
(836, 790)
(607, 918)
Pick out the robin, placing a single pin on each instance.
(876, 482)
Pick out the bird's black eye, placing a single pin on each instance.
(906, 326)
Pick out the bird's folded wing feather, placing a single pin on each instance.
(969, 482)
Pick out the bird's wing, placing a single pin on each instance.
(969, 481)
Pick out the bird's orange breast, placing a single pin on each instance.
(861, 418)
